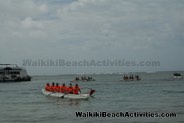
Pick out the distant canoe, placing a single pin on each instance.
(130, 80)
(177, 76)
(83, 80)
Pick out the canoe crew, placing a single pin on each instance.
(63, 88)
(76, 89)
(52, 89)
(70, 89)
(57, 88)
(48, 87)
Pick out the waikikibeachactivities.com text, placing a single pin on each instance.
(124, 114)
(92, 62)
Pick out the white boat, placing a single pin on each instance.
(11, 72)
(63, 95)
(177, 76)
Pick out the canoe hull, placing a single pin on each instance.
(177, 77)
(62, 95)
(130, 80)
(83, 80)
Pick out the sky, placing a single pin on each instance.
(75, 30)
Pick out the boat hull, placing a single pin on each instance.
(130, 80)
(16, 80)
(63, 95)
(83, 80)
(177, 77)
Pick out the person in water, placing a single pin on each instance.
(48, 87)
(76, 89)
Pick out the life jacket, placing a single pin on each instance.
(56, 89)
(52, 88)
(70, 90)
(76, 90)
(63, 89)
(48, 88)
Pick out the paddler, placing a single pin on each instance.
(48, 87)
(76, 89)
(52, 88)
(57, 88)
(63, 88)
(70, 89)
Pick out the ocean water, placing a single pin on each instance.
(23, 102)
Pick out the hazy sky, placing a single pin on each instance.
(133, 30)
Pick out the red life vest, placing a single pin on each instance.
(76, 90)
(57, 89)
(52, 88)
(70, 90)
(48, 88)
(63, 89)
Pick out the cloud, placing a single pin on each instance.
(91, 28)
(43, 8)
(134, 22)
(29, 23)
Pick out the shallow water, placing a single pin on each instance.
(23, 102)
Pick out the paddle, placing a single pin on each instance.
(63, 95)
(51, 93)
(91, 92)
